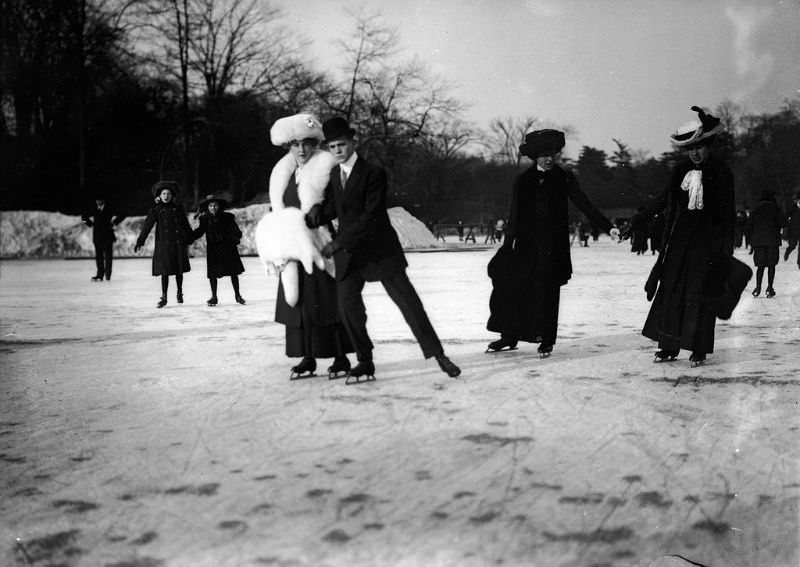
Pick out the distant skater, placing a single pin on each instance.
(222, 238)
(102, 218)
(173, 236)
(766, 240)
(793, 230)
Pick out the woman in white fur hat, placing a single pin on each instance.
(700, 228)
(306, 302)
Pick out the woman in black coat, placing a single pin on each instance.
(222, 238)
(534, 261)
(765, 240)
(173, 236)
(700, 227)
(307, 302)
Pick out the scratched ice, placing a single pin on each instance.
(131, 435)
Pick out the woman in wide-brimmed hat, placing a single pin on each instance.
(534, 262)
(222, 238)
(306, 302)
(173, 236)
(700, 230)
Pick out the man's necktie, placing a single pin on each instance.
(343, 176)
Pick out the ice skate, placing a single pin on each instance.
(757, 292)
(97, 278)
(305, 369)
(664, 355)
(545, 350)
(161, 302)
(696, 359)
(180, 297)
(339, 368)
(212, 302)
(502, 344)
(447, 366)
(364, 371)
(239, 299)
(770, 292)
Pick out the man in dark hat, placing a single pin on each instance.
(102, 219)
(366, 248)
(534, 261)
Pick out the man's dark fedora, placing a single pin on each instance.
(542, 142)
(337, 127)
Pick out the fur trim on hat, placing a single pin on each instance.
(312, 179)
(296, 127)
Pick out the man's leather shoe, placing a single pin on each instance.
(447, 366)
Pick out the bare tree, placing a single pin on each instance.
(392, 103)
(505, 136)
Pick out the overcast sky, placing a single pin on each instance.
(626, 69)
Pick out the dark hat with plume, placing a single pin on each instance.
(696, 131)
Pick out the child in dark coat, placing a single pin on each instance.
(222, 238)
(173, 236)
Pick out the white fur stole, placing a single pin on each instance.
(282, 237)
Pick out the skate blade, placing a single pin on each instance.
(350, 380)
(545, 354)
(658, 360)
(696, 363)
(337, 375)
(491, 350)
(303, 376)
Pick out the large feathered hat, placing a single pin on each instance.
(296, 127)
(542, 142)
(695, 131)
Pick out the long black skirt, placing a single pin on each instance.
(679, 318)
(525, 310)
(313, 326)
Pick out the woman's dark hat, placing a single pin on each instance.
(159, 186)
(696, 131)
(542, 142)
(220, 198)
(337, 127)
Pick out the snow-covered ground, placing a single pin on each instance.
(42, 234)
(143, 437)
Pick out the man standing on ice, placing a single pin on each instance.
(534, 262)
(367, 248)
(103, 220)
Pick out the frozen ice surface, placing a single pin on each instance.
(131, 435)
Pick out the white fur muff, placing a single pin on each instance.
(282, 238)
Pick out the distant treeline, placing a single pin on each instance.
(108, 96)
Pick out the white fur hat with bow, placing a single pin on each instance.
(296, 127)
